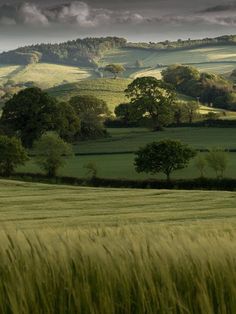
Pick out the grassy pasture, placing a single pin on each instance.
(152, 58)
(120, 165)
(85, 250)
(43, 74)
(110, 90)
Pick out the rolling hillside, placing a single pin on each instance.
(43, 74)
(110, 90)
(218, 59)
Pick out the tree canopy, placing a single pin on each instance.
(207, 87)
(32, 112)
(115, 69)
(151, 97)
(92, 113)
(165, 156)
(51, 152)
(12, 154)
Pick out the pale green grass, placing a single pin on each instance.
(32, 206)
(6, 71)
(152, 58)
(44, 75)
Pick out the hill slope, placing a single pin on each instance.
(110, 90)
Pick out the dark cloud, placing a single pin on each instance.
(76, 12)
(57, 20)
(220, 8)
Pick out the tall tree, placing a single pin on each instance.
(151, 97)
(92, 112)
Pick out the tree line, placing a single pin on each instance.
(185, 44)
(82, 52)
(209, 88)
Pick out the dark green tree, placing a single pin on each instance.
(67, 121)
(51, 153)
(92, 113)
(12, 154)
(32, 112)
(165, 156)
(153, 98)
(125, 113)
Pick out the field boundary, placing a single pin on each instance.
(224, 184)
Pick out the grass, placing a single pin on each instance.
(130, 139)
(122, 167)
(35, 206)
(151, 58)
(118, 165)
(43, 74)
(110, 90)
(88, 250)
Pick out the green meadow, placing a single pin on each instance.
(114, 156)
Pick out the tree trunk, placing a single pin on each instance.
(168, 177)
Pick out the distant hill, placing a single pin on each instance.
(89, 51)
(82, 52)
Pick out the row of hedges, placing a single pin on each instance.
(212, 123)
(225, 184)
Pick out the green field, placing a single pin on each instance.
(110, 90)
(151, 58)
(118, 165)
(88, 250)
(43, 74)
(40, 205)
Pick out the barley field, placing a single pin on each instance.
(87, 250)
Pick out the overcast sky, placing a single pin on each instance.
(35, 21)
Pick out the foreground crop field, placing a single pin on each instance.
(81, 250)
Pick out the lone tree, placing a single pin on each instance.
(201, 164)
(32, 112)
(115, 69)
(92, 113)
(165, 156)
(12, 154)
(217, 160)
(153, 98)
(51, 153)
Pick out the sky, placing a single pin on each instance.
(34, 21)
